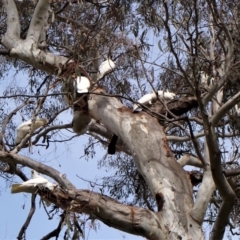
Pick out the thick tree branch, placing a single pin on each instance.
(129, 219)
(177, 107)
(12, 35)
(39, 167)
(203, 196)
(38, 20)
(190, 160)
(232, 172)
(224, 109)
(222, 185)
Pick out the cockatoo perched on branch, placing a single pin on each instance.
(24, 128)
(83, 84)
(205, 79)
(237, 109)
(149, 98)
(105, 67)
(31, 185)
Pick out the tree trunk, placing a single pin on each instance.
(168, 182)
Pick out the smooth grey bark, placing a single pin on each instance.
(147, 141)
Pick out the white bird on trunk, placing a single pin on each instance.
(105, 67)
(150, 98)
(205, 79)
(31, 185)
(237, 109)
(83, 84)
(24, 128)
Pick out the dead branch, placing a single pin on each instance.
(22, 232)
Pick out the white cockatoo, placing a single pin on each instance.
(83, 84)
(237, 109)
(31, 185)
(205, 79)
(105, 67)
(24, 128)
(149, 98)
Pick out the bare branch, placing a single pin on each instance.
(190, 160)
(55, 232)
(183, 139)
(22, 232)
(39, 167)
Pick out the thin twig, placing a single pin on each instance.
(55, 232)
(22, 233)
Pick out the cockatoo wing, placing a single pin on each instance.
(83, 84)
(105, 67)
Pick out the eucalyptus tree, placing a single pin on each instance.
(54, 42)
